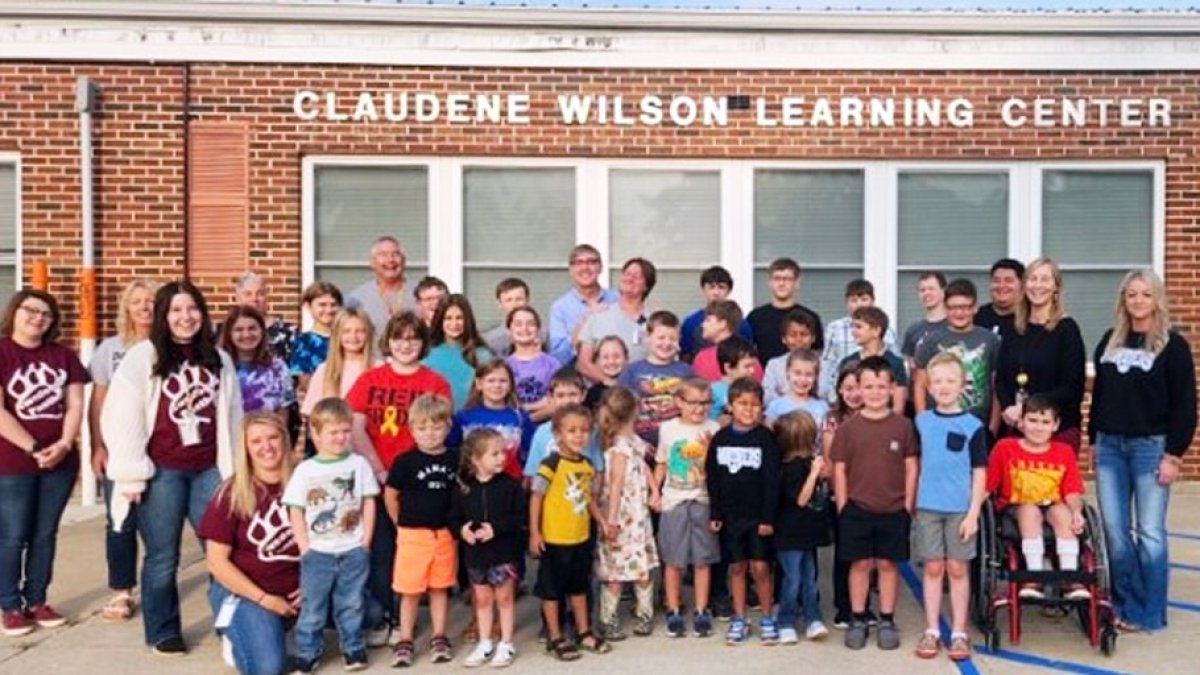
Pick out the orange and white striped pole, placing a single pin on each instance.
(86, 95)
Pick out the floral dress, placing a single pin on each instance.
(633, 553)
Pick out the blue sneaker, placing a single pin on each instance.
(675, 625)
(767, 631)
(702, 623)
(738, 631)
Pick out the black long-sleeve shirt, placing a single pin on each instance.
(742, 472)
(766, 323)
(502, 502)
(1054, 362)
(1139, 394)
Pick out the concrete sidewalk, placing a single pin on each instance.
(89, 646)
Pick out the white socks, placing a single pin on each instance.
(1068, 554)
(1035, 553)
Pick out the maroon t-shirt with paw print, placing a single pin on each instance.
(35, 385)
(189, 396)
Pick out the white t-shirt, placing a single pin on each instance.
(331, 493)
(682, 448)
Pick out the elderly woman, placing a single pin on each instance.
(251, 291)
(41, 411)
(252, 556)
(1142, 420)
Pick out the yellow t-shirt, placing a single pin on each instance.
(566, 486)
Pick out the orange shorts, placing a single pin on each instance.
(425, 559)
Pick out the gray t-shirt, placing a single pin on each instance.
(614, 321)
(916, 332)
(106, 358)
(978, 349)
(498, 341)
(368, 298)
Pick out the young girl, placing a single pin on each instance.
(456, 348)
(351, 352)
(488, 513)
(803, 372)
(801, 525)
(612, 355)
(629, 553)
(263, 377)
(493, 404)
(532, 367)
(321, 300)
(849, 402)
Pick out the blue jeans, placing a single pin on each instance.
(799, 587)
(120, 547)
(331, 581)
(258, 636)
(31, 507)
(1127, 479)
(170, 497)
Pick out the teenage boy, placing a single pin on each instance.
(799, 332)
(975, 346)
(931, 290)
(684, 537)
(322, 300)
(655, 378)
(766, 321)
(742, 472)
(429, 293)
(721, 318)
(738, 359)
(715, 284)
(875, 482)
(511, 293)
(566, 388)
(840, 341)
(868, 326)
(950, 493)
(1006, 290)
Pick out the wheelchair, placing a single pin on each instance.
(999, 572)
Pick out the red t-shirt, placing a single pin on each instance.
(35, 385)
(707, 365)
(384, 396)
(1017, 476)
(264, 548)
(189, 396)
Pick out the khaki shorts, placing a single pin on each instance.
(935, 537)
(425, 559)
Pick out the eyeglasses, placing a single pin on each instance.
(44, 313)
(590, 262)
(959, 308)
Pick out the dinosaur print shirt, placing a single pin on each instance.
(264, 548)
(35, 385)
(424, 482)
(683, 448)
(331, 492)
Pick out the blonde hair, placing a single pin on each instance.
(429, 407)
(473, 446)
(329, 410)
(125, 328)
(242, 488)
(947, 359)
(1057, 307)
(618, 407)
(796, 433)
(1159, 334)
(335, 363)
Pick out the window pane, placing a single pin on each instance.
(677, 291)
(8, 231)
(821, 290)
(480, 287)
(8, 282)
(948, 219)
(1089, 297)
(357, 204)
(909, 306)
(810, 216)
(1098, 217)
(667, 217)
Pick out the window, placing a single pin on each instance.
(517, 222)
(815, 218)
(9, 265)
(355, 205)
(1097, 225)
(953, 222)
(671, 218)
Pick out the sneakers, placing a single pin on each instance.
(379, 635)
(45, 616)
(171, 647)
(722, 611)
(887, 636)
(1031, 591)
(960, 647)
(675, 626)
(702, 623)
(612, 631)
(929, 645)
(1074, 592)
(738, 631)
(816, 631)
(304, 666)
(504, 656)
(872, 618)
(440, 650)
(841, 621)
(480, 655)
(768, 633)
(644, 626)
(856, 634)
(403, 654)
(355, 661)
(16, 623)
(788, 636)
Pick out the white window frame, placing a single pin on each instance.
(14, 159)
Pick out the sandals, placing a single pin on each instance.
(1126, 627)
(120, 607)
(563, 649)
(594, 643)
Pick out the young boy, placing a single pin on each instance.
(1036, 479)
(683, 535)
(333, 518)
(738, 359)
(566, 388)
(875, 481)
(742, 473)
(429, 293)
(840, 342)
(417, 498)
(931, 290)
(799, 331)
(950, 492)
(783, 276)
(715, 284)
(869, 326)
(511, 293)
(976, 346)
(655, 378)
(562, 508)
(721, 318)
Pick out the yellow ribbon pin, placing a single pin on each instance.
(389, 425)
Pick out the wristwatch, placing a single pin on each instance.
(36, 447)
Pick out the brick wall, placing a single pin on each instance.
(139, 147)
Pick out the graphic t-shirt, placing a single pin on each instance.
(544, 444)
(265, 387)
(185, 428)
(35, 385)
(531, 377)
(1018, 476)
(655, 386)
(331, 494)
(106, 359)
(383, 396)
(264, 547)
(977, 349)
(742, 472)
(874, 452)
(952, 446)
(916, 333)
(513, 425)
(308, 352)
(683, 448)
(567, 486)
(424, 482)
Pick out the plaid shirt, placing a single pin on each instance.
(839, 343)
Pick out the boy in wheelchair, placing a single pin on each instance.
(1035, 480)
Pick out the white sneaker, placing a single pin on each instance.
(227, 652)
(816, 631)
(379, 635)
(787, 636)
(480, 655)
(504, 656)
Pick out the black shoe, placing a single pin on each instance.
(171, 647)
(722, 611)
(355, 661)
(841, 621)
(872, 619)
(301, 666)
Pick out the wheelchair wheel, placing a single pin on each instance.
(1108, 641)
(985, 569)
(993, 640)
(1094, 527)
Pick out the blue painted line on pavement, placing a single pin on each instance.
(1185, 566)
(918, 590)
(1043, 662)
(1185, 606)
(1184, 535)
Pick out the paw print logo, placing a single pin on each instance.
(37, 391)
